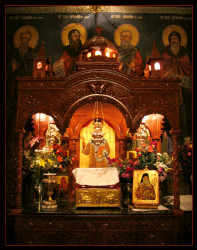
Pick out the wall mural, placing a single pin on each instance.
(126, 37)
(132, 29)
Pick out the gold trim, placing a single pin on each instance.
(98, 197)
(68, 28)
(105, 9)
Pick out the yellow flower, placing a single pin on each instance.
(190, 145)
(50, 161)
(42, 163)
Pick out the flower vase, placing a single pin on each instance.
(129, 193)
(49, 184)
(38, 189)
(126, 188)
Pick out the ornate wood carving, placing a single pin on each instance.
(18, 199)
(134, 98)
(61, 97)
(175, 173)
(96, 230)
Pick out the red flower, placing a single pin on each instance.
(129, 169)
(153, 143)
(137, 150)
(59, 151)
(64, 154)
(59, 158)
(125, 175)
(150, 149)
(56, 146)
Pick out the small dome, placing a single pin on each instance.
(99, 41)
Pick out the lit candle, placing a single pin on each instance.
(157, 66)
(107, 54)
(98, 53)
(89, 54)
(39, 65)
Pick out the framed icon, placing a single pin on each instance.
(145, 188)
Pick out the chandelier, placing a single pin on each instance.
(95, 8)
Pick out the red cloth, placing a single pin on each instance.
(176, 64)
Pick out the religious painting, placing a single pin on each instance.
(62, 186)
(31, 35)
(145, 188)
(176, 59)
(73, 36)
(126, 37)
(132, 155)
(68, 30)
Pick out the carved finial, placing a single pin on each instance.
(41, 52)
(155, 52)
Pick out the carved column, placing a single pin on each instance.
(72, 149)
(175, 172)
(18, 199)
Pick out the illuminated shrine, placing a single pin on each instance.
(81, 117)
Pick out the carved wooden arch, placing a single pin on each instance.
(153, 110)
(89, 118)
(97, 97)
(116, 77)
(40, 109)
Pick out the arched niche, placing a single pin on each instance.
(41, 109)
(160, 131)
(156, 110)
(84, 115)
(101, 98)
(36, 127)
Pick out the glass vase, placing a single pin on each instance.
(126, 188)
(129, 194)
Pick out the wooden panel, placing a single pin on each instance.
(81, 229)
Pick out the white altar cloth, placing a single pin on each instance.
(96, 176)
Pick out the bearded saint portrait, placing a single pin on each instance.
(73, 36)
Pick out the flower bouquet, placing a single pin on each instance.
(164, 164)
(125, 168)
(51, 159)
(146, 154)
(185, 156)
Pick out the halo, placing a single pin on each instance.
(71, 26)
(176, 28)
(135, 34)
(35, 36)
